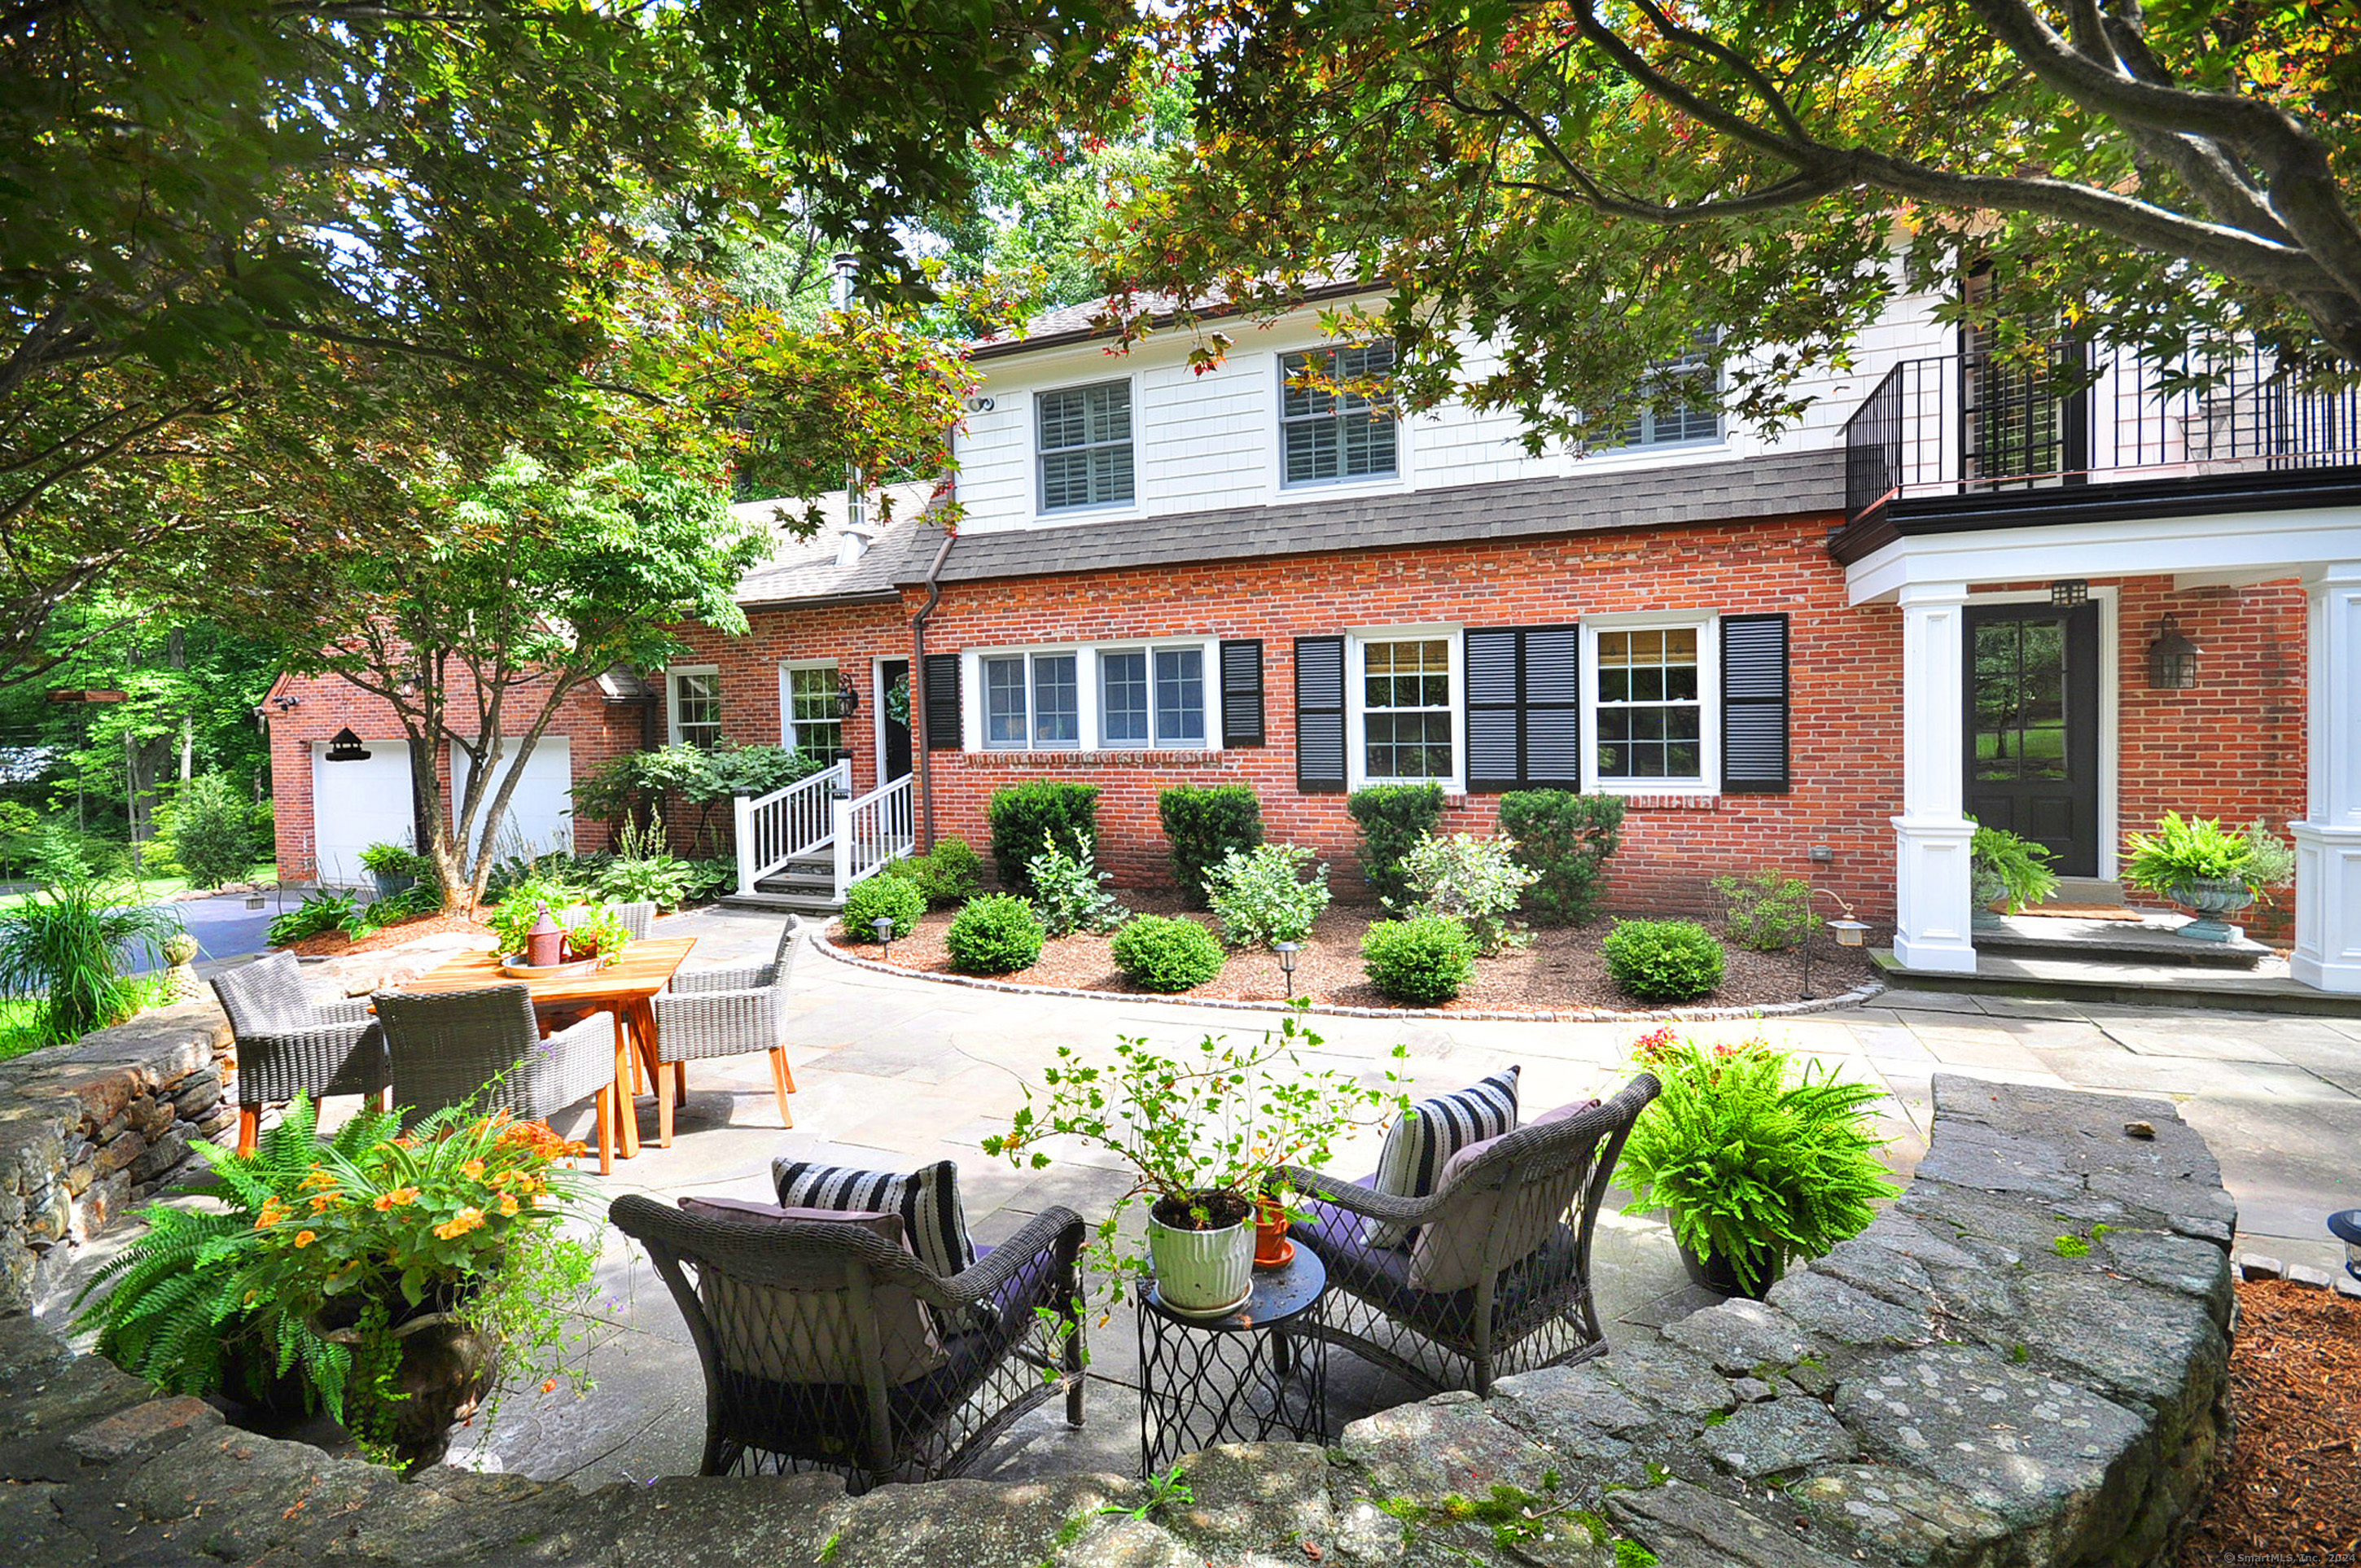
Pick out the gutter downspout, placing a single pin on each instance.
(917, 683)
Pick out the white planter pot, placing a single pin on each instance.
(1203, 1272)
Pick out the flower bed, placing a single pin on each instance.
(1562, 970)
(329, 944)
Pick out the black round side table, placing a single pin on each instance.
(1245, 1377)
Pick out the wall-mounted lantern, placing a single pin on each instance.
(848, 701)
(345, 746)
(2171, 659)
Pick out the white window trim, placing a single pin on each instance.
(1356, 752)
(1370, 484)
(1708, 625)
(1031, 398)
(672, 698)
(786, 698)
(1087, 679)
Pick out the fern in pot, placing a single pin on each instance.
(1755, 1163)
(2209, 869)
(1200, 1133)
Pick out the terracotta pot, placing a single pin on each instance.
(1271, 1249)
(1718, 1275)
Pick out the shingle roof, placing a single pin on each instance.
(1781, 486)
(805, 570)
(1079, 323)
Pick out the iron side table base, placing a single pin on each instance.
(1248, 1377)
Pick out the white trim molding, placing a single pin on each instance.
(1706, 624)
(1933, 887)
(1356, 692)
(2328, 840)
(673, 673)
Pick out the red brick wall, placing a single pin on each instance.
(852, 635)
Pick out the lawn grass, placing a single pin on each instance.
(148, 890)
(17, 1033)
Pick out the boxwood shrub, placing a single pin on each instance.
(994, 936)
(1023, 813)
(1662, 960)
(888, 897)
(1421, 961)
(1566, 838)
(1166, 952)
(1393, 819)
(1203, 826)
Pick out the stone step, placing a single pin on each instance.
(789, 902)
(2133, 985)
(2154, 941)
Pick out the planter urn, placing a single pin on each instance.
(2211, 898)
(1203, 1273)
(446, 1369)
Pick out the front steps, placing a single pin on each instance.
(807, 886)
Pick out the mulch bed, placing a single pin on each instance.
(334, 944)
(2288, 1490)
(1562, 970)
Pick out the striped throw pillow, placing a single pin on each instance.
(1424, 1141)
(927, 1201)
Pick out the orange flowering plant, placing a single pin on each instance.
(325, 1247)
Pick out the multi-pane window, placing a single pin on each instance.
(1085, 439)
(1123, 697)
(1668, 420)
(1031, 701)
(1180, 696)
(1342, 428)
(1651, 717)
(1406, 708)
(697, 707)
(813, 726)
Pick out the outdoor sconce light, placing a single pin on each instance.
(286, 703)
(1287, 951)
(1849, 932)
(2069, 593)
(345, 747)
(2346, 1227)
(884, 926)
(848, 701)
(2171, 659)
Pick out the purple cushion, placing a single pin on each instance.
(1448, 1253)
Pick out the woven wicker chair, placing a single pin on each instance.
(1531, 1305)
(723, 1013)
(762, 1297)
(486, 1045)
(290, 1044)
(638, 919)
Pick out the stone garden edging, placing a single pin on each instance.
(2022, 1362)
(816, 933)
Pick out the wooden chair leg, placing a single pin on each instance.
(385, 1098)
(665, 1082)
(680, 1081)
(607, 1129)
(784, 1080)
(249, 1127)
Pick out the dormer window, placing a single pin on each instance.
(1670, 421)
(1337, 413)
(1083, 435)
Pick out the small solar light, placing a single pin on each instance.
(1849, 932)
(1287, 951)
(884, 926)
(2347, 1228)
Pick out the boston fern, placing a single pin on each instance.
(1752, 1160)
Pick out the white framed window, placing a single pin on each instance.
(1342, 431)
(807, 709)
(695, 705)
(1120, 697)
(1650, 703)
(1152, 696)
(1670, 421)
(1082, 443)
(1031, 701)
(1404, 695)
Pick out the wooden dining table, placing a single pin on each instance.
(622, 988)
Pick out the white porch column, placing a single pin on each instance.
(2328, 840)
(1931, 873)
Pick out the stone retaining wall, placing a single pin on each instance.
(2022, 1363)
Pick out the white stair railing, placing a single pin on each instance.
(786, 824)
(872, 832)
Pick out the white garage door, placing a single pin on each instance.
(354, 805)
(541, 813)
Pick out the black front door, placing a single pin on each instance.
(891, 673)
(2033, 726)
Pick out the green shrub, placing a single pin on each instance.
(946, 876)
(1565, 838)
(994, 936)
(1421, 961)
(1166, 952)
(1662, 960)
(1476, 882)
(1025, 814)
(1203, 826)
(882, 897)
(2199, 849)
(1261, 894)
(644, 870)
(1769, 912)
(1069, 892)
(1393, 818)
(319, 912)
(210, 831)
(63, 948)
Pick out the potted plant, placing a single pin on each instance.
(1200, 1133)
(1754, 1163)
(2209, 869)
(394, 867)
(384, 1276)
(596, 933)
(2009, 870)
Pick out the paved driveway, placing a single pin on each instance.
(223, 926)
(894, 1072)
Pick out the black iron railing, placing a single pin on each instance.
(2073, 413)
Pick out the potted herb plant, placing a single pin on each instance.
(2009, 870)
(595, 933)
(2209, 869)
(1755, 1163)
(1200, 1133)
(385, 1277)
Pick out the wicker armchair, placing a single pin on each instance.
(638, 919)
(1523, 1214)
(290, 1044)
(485, 1044)
(786, 1320)
(723, 1013)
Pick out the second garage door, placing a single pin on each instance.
(541, 813)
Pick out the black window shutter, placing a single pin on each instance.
(1553, 708)
(1754, 705)
(942, 678)
(1319, 715)
(1242, 693)
(1493, 680)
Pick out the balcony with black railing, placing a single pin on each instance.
(1996, 435)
